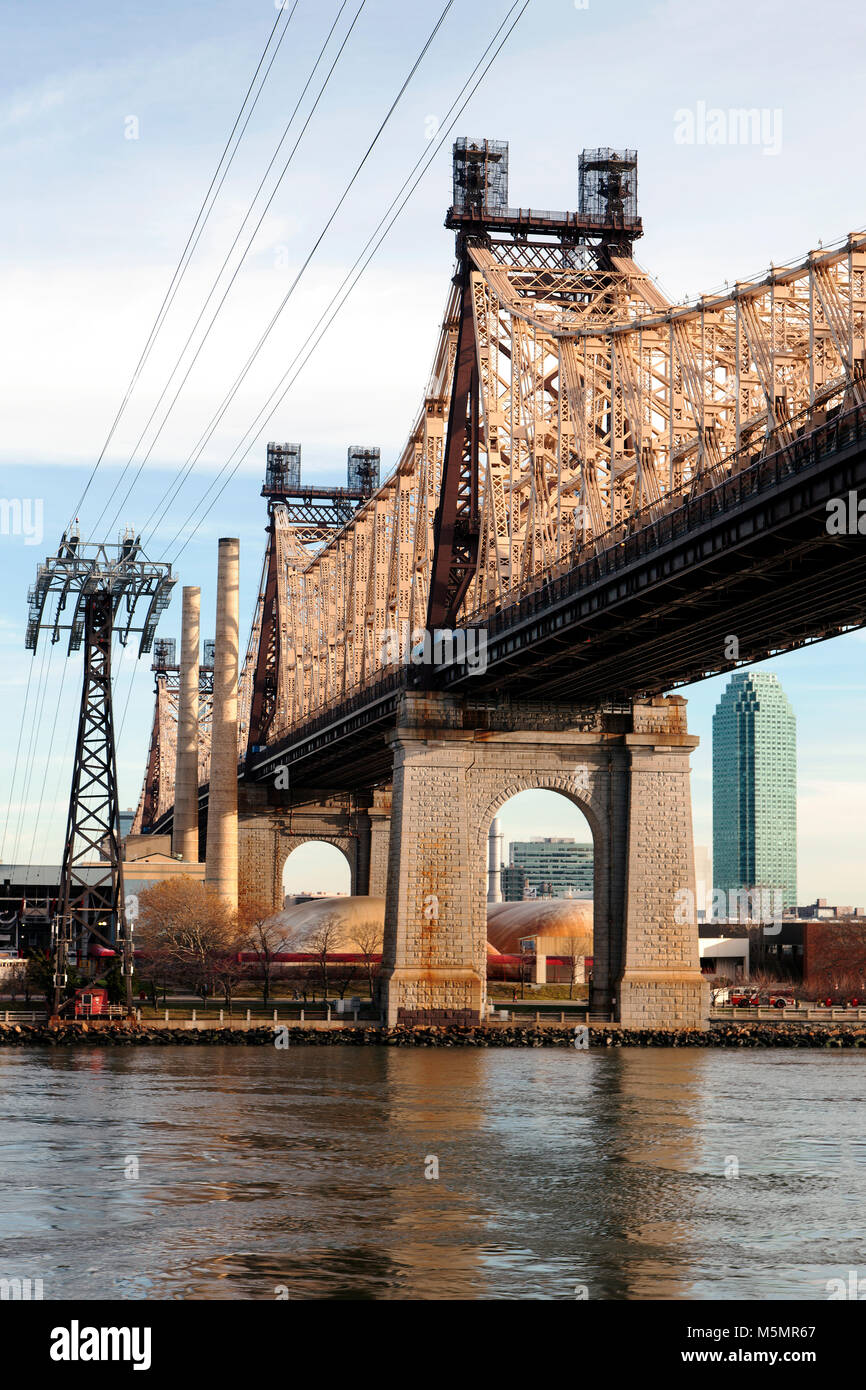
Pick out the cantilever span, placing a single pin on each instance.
(590, 407)
(570, 407)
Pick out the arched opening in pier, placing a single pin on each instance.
(317, 868)
(541, 857)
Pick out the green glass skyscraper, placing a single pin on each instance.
(755, 788)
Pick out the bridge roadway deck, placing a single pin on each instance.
(751, 557)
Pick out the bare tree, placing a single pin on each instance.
(576, 946)
(186, 930)
(368, 937)
(15, 980)
(346, 973)
(230, 970)
(327, 939)
(265, 936)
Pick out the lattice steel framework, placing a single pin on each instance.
(567, 396)
(93, 591)
(157, 792)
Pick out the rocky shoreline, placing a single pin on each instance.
(516, 1035)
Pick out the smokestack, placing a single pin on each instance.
(184, 838)
(221, 870)
(494, 862)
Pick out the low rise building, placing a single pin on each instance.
(820, 908)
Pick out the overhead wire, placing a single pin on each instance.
(230, 395)
(9, 803)
(242, 259)
(321, 329)
(38, 817)
(38, 704)
(424, 160)
(180, 268)
(225, 172)
(201, 220)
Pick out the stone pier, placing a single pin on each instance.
(455, 764)
(269, 829)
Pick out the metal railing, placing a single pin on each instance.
(631, 540)
(805, 1013)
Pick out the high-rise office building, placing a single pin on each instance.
(513, 881)
(755, 789)
(554, 866)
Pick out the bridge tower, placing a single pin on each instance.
(158, 788)
(456, 764)
(302, 519)
(307, 517)
(605, 226)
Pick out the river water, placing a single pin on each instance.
(246, 1173)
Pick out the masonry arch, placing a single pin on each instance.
(587, 783)
(313, 864)
(566, 787)
(628, 773)
(547, 848)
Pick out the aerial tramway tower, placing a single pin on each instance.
(95, 591)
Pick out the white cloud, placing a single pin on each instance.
(23, 110)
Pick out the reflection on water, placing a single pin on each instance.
(305, 1168)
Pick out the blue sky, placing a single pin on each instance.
(94, 223)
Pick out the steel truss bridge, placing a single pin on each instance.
(603, 484)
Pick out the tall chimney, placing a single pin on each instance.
(221, 869)
(494, 862)
(184, 838)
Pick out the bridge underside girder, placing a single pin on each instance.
(765, 571)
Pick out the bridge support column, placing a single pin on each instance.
(374, 833)
(434, 957)
(661, 983)
(455, 766)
